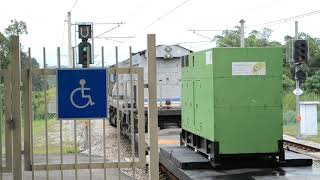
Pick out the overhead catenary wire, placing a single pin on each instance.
(284, 20)
(160, 17)
(115, 27)
(74, 5)
(211, 39)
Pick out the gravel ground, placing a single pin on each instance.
(112, 147)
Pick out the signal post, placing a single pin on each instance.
(300, 60)
(85, 59)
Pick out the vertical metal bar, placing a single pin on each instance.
(60, 123)
(118, 112)
(104, 122)
(27, 115)
(75, 134)
(152, 111)
(132, 116)
(297, 87)
(92, 35)
(46, 111)
(31, 117)
(15, 105)
(141, 119)
(73, 59)
(75, 149)
(90, 155)
(7, 120)
(89, 58)
(0, 123)
(1, 92)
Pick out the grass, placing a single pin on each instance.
(55, 150)
(289, 106)
(292, 131)
(39, 139)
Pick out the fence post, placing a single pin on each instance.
(27, 94)
(153, 110)
(15, 74)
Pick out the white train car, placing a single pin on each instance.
(168, 64)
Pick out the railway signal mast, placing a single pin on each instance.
(300, 56)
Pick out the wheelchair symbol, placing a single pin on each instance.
(82, 82)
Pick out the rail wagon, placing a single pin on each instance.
(231, 103)
(168, 63)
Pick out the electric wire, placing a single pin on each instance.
(161, 17)
(75, 3)
(284, 20)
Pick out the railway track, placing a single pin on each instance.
(301, 148)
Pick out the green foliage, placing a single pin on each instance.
(229, 38)
(312, 84)
(38, 104)
(289, 100)
(4, 51)
(16, 28)
(287, 83)
(255, 38)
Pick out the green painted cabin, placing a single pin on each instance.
(234, 96)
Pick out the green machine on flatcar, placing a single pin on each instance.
(232, 102)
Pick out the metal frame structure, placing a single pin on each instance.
(11, 79)
(28, 146)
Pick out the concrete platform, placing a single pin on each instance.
(186, 164)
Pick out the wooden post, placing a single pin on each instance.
(153, 110)
(16, 79)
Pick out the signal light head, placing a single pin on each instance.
(300, 51)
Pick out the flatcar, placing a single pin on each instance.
(231, 103)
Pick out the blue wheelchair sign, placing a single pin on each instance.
(82, 93)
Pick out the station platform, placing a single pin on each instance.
(186, 164)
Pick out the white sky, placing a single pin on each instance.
(46, 26)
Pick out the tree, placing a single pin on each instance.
(287, 83)
(255, 38)
(4, 51)
(229, 38)
(16, 28)
(312, 84)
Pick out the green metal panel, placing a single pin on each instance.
(237, 98)
(187, 105)
(248, 130)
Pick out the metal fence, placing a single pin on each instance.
(10, 114)
(10, 80)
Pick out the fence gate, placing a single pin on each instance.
(10, 149)
(56, 155)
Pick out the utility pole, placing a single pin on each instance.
(70, 61)
(70, 65)
(298, 117)
(242, 33)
